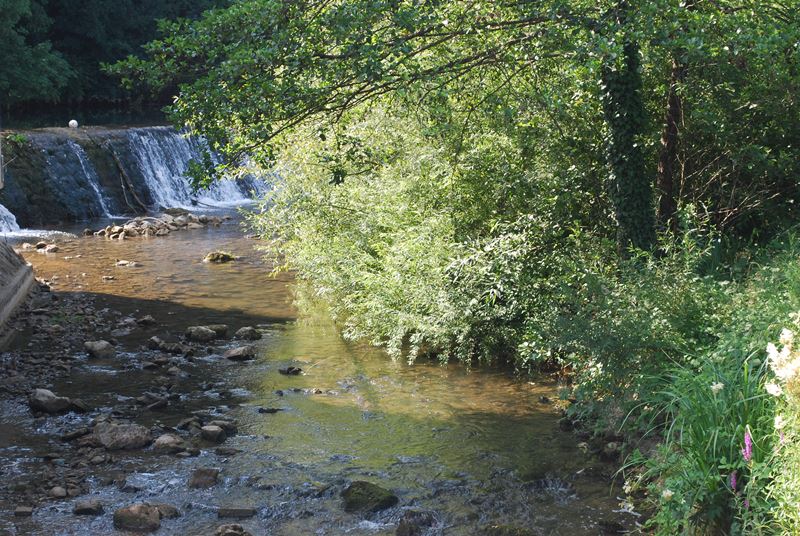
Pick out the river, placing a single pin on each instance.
(476, 449)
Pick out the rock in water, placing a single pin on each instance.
(219, 257)
(121, 436)
(168, 443)
(363, 496)
(91, 507)
(99, 349)
(166, 511)
(414, 523)
(138, 517)
(248, 333)
(200, 334)
(203, 478)
(213, 433)
(46, 401)
(291, 371)
(231, 530)
(236, 511)
(243, 353)
(220, 329)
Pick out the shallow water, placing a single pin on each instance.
(475, 448)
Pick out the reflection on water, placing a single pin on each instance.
(475, 448)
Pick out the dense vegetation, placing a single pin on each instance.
(605, 186)
(53, 49)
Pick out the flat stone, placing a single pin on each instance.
(91, 507)
(242, 353)
(138, 517)
(23, 511)
(100, 349)
(203, 478)
(236, 511)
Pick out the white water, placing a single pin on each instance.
(8, 223)
(90, 174)
(163, 156)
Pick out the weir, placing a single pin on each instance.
(60, 175)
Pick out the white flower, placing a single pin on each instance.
(780, 422)
(717, 387)
(772, 352)
(667, 494)
(787, 337)
(774, 389)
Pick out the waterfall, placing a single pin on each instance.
(90, 174)
(163, 156)
(8, 223)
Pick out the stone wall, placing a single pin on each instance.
(16, 280)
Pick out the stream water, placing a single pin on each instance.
(477, 448)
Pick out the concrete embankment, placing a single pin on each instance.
(16, 280)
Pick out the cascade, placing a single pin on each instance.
(90, 174)
(163, 156)
(8, 223)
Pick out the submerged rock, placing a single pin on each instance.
(219, 257)
(243, 353)
(45, 401)
(138, 517)
(121, 436)
(361, 496)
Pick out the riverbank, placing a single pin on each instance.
(294, 443)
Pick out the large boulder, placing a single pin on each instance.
(214, 433)
(44, 401)
(220, 329)
(141, 517)
(242, 353)
(361, 496)
(121, 436)
(200, 334)
(99, 349)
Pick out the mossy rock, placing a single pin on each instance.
(219, 257)
(363, 496)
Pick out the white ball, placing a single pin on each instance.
(73, 124)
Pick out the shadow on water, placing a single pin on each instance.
(475, 448)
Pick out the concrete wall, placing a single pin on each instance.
(16, 281)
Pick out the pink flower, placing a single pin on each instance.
(747, 451)
(733, 481)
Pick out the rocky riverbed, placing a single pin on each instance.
(178, 397)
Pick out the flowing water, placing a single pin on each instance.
(475, 448)
(8, 223)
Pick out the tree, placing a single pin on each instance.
(261, 67)
(31, 69)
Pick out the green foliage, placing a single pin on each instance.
(31, 69)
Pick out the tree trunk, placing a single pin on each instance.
(631, 188)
